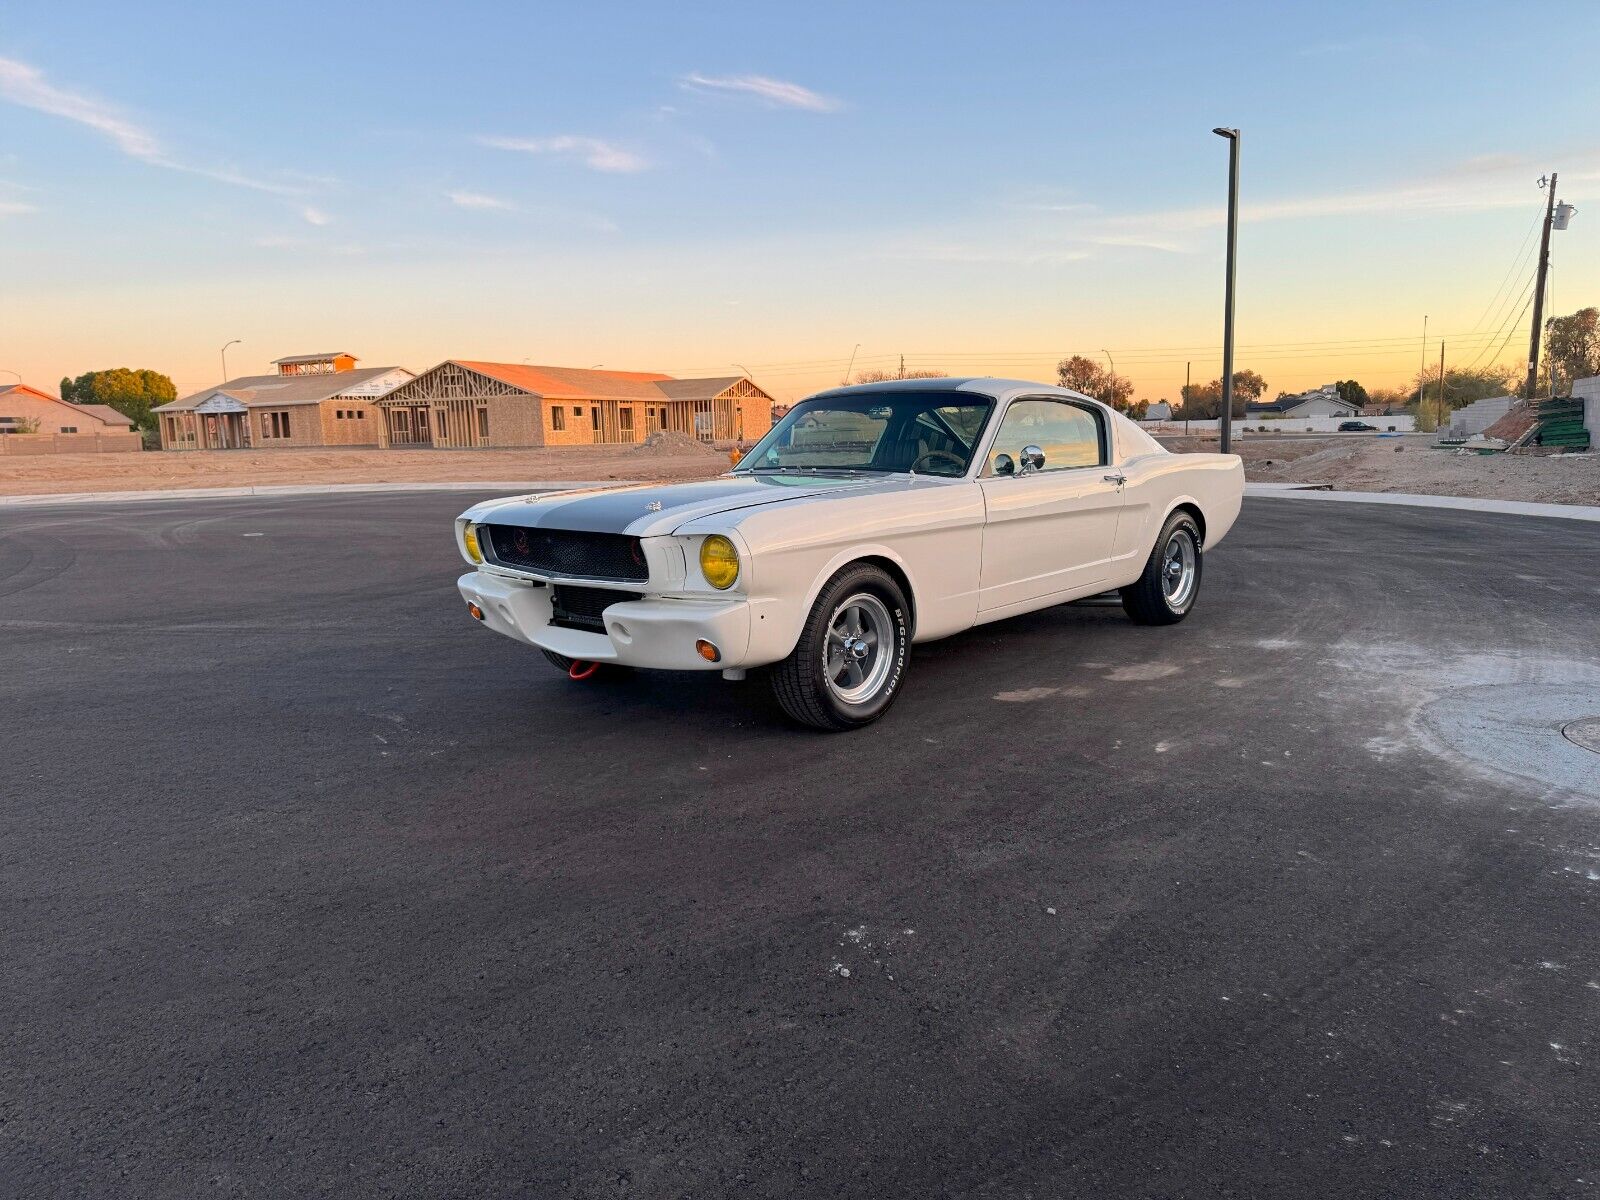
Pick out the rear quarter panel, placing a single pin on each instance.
(1159, 483)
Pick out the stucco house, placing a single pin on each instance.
(27, 409)
(1324, 401)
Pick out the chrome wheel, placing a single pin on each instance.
(859, 651)
(1178, 569)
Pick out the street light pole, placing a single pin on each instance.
(845, 382)
(235, 342)
(1225, 425)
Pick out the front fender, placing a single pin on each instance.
(787, 591)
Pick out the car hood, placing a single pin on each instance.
(648, 509)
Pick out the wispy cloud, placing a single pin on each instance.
(1485, 183)
(25, 85)
(315, 216)
(16, 208)
(479, 201)
(775, 92)
(594, 153)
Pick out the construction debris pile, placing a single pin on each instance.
(1561, 425)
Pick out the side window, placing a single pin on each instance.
(1069, 434)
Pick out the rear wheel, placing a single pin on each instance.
(846, 669)
(1166, 591)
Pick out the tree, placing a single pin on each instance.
(1571, 349)
(1352, 392)
(902, 373)
(1462, 385)
(1089, 377)
(1203, 401)
(1390, 400)
(131, 393)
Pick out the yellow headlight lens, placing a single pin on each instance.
(719, 561)
(469, 539)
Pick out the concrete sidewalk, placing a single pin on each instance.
(1518, 508)
(511, 487)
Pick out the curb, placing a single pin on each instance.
(1513, 508)
(304, 489)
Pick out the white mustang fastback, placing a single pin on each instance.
(868, 519)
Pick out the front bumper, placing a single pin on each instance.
(654, 632)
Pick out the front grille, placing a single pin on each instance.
(613, 556)
(583, 608)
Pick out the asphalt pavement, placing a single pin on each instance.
(312, 887)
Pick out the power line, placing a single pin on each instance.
(1512, 321)
(1523, 250)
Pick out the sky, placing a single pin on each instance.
(700, 189)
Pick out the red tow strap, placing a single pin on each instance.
(582, 670)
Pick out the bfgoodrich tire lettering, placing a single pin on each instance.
(1170, 583)
(846, 669)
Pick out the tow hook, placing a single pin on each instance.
(582, 670)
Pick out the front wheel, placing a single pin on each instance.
(846, 669)
(1166, 591)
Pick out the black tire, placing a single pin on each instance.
(1160, 597)
(802, 682)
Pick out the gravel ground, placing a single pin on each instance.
(1353, 464)
(1409, 465)
(159, 470)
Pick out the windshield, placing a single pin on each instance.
(930, 433)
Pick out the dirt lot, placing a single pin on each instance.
(1363, 464)
(160, 470)
(1352, 463)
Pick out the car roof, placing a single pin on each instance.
(982, 385)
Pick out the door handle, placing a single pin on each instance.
(1119, 478)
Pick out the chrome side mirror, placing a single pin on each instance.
(1032, 460)
(1003, 465)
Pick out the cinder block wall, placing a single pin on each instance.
(1588, 390)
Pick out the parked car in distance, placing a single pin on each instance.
(1356, 427)
(868, 519)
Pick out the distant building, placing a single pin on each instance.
(1159, 411)
(465, 403)
(22, 407)
(1324, 401)
(313, 400)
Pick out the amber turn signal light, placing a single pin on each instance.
(477, 613)
(707, 651)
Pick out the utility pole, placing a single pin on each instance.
(1225, 426)
(845, 382)
(1538, 291)
(1186, 367)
